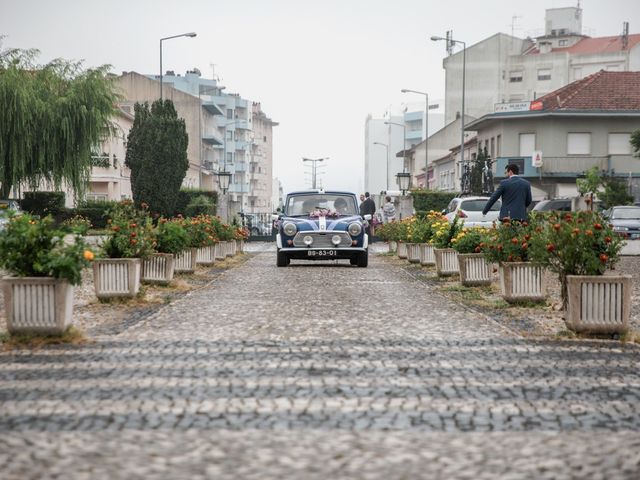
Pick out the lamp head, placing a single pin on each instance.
(435, 39)
(190, 34)
(404, 90)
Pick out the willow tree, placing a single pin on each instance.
(157, 156)
(51, 118)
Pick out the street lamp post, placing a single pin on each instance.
(314, 166)
(404, 143)
(190, 34)
(387, 148)
(451, 41)
(426, 129)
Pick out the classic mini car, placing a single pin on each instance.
(319, 225)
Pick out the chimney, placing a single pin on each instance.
(545, 46)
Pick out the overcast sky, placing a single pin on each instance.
(318, 66)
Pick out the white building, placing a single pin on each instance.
(503, 68)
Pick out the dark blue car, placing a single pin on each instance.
(319, 225)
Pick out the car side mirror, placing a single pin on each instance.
(444, 211)
(367, 217)
(275, 217)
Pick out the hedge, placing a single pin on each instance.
(425, 200)
(43, 203)
(185, 197)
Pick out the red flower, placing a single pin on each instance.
(556, 226)
(604, 257)
(597, 226)
(515, 241)
(550, 247)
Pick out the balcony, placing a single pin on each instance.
(414, 135)
(240, 166)
(239, 188)
(569, 167)
(242, 124)
(212, 138)
(212, 108)
(242, 145)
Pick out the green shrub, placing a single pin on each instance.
(43, 203)
(171, 236)
(425, 200)
(200, 205)
(185, 196)
(130, 233)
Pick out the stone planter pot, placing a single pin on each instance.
(230, 249)
(521, 281)
(158, 269)
(393, 246)
(240, 246)
(37, 304)
(446, 262)
(116, 277)
(474, 269)
(413, 252)
(598, 304)
(219, 251)
(427, 257)
(185, 262)
(402, 250)
(205, 255)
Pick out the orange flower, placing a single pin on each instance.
(88, 255)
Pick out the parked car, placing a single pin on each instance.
(554, 204)
(469, 210)
(319, 225)
(7, 206)
(625, 220)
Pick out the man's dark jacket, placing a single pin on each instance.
(367, 207)
(516, 197)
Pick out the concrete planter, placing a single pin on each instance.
(446, 262)
(116, 277)
(413, 252)
(521, 281)
(474, 269)
(37, 304)
(427, 257)
(185, 262)
(158, 269)
(229, 249)
(219, 251)
(598, 304)
(205, 255)
(393, 246)
(240, 246)
(402, 250)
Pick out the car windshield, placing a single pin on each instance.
(478, 205)
(302, 205)
(625, 214)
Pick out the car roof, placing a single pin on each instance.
(315, 192)
(462, 199)
(625, 207)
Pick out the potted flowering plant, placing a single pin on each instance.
(580, 247)
(241, 234)
(225, 233)
(386, 233)
(474, 268)
(427, 255)
(442, 240)
(44, 268)
(129, 239)
(509, 244)
(171, 239)
(401, 237)
(203, 237)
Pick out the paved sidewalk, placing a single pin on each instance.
(320, 371)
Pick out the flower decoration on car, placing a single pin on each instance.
(323, 212)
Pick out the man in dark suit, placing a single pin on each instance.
(516, 196)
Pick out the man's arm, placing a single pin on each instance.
(493, 199)
(528, 199)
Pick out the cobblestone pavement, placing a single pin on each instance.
(320, 371)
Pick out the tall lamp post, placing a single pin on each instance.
(224, 179)
(314, 167)
(190, 34)
(387, 149)
(450, 41)
(426, 129)
(404, 143)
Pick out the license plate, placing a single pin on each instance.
(322, 253)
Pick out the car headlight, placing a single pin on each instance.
(336, 239)
(355, 229)
(308, 240)
(289, 229)
(618, 228)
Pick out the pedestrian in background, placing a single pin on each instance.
(368, 207)
(388, 210)
(515, 192)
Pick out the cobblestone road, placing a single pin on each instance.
(320, 371)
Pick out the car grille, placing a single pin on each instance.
(322, 240)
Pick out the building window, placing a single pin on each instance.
(577, 73)
(499, 145)
(229, 114)
(619, 144)
(578, 144)
(527, 144)
(229, 134)
(229, 157)
(515, 76)
(493, 148)
(544, 74)
(563, 43)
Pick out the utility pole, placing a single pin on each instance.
(314, 168)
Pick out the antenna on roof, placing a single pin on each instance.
(514, 19)
(625, 35)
